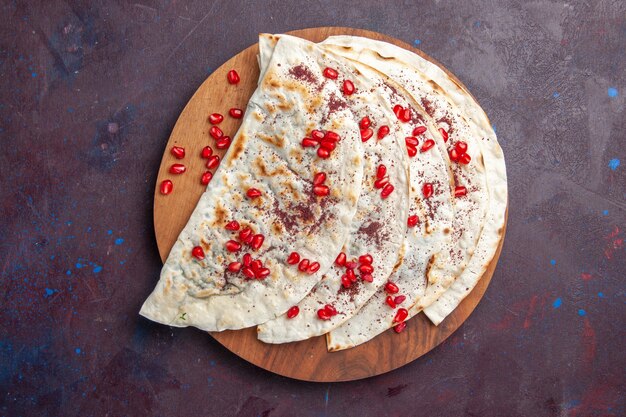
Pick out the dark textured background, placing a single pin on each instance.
(89, 94)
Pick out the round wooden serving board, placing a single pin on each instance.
(307, 360)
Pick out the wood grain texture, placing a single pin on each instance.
(307, 360)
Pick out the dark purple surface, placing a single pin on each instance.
(89, 95)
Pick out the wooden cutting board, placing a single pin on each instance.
(307, 360)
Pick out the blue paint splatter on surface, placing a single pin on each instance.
(581, 312)
(77, 350)
(605, 212)
(119, 241)
(97, 269)
(70, 110)
(48, 293)
(416, 42)
(477, 23)
(33, 74)
(109, 232)
(555, 94)
(614, 163)
(69, 272)
(612, 92)
(557, 303)
(552, 262)
(78, 265)
(601, 294)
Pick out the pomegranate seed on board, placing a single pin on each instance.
(206, 178)
(383, 131)
(401, 315)
(345, 281)
(247, 259)
(330, 73)
(427, 190)
(411, 140)
(332, 136)
(381, 171)
(166, 187)
(411, 150)
(429, 143)
(317, 135)
(328, 145)
(460, 191)
(233, 77)
(412, 221)
(330, 310)
(216, 132)
(293, 258)
(321, 190)
(178, 152)
(215, 118)
(391, 288)
(197, 252)
(366, 134)
(314, 267)
(177, 169)
(245, 234)
(366, 269)
(341, 259)
(234, 266)
(303, 265)
(257, 241)
(348, 87)
(405, 115)
(461, 147)
(397, 110)
(293, 312)
(387, 190)
(256, 265)
(366, 259)
(351, 264)
(381, 182)
(454, 155)
(253, 193)
(232, 225)
(262, 273)
(465, 159)
(213, 161)
(323, 153)
(365, 123)
(309, 143)
(206, 152)
(223, 142)
(444, 134)
(235, 113)
(248, 272)
(367, 277)
(323, 314)
(398, 328)
(319, 178)
(399, 299)
(351, 275)
(419, 130)
(389, 301)
(233, 246)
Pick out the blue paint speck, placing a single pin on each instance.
(552, 262)
(614, 163)
(48, 293)
(612, 92)
(77, 350)
(119, 241)
(69, 272)
(605, 212)
(557, 303)
(33, 74)
(601, 294)
(70, 110)
(416, 42)
(555, 94)
(109, 232)
(97, 269)
(51, 257)
(78, 265)
(581, 312)
(477, 23)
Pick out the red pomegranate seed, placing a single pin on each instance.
(351, 275)
(454, 155)
(213, 161)
(401, 315)
(389, 301)
(321, 190)
(293, 312)
(461, 147)
(216, 132)
(381, 171)
(313, 268)
(233, 246)
(262, 273)
(318, 135)
(345, 281)
(253, 193)
(411, 150)
(248, 272)
(177, 169)
(330, 73)
(405, 115)
(235, 113)
(366, 134)
(397, 110)
(215, 118)
(341, 259)
(323, 314)
(348, 87)
(223, 142)
(444, 134)
(319, 178)
(233, 77)
(411, 140)
(206, 178)
(429, 143)
(427, 190)
(206, 152)
(367, 277)
(303, 265)
(256, 265)
(387, 190)
(330, 310)
(398, 328)
(328, 145)
(399, 299)
(419, 130)
(234, 266)
(465, 159)
(383, 131)
(245, 235)
(366, 259)
(178, 152)
(391, 288)
(166, 187)
(365, 123)
(332, 136)
(412, 221)
(351, 264)
(460, 191)
(247, 259)
(257, 241)
(323, 153)
(232, 225)
(381, 182)
(366, 269)
(309, 143)
(293, 258)
(197, 252)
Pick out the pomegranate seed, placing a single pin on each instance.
(247, 259)
(461, 147)
(303, 265)
(341, 259)
(321, 190)
(308, 143)
(398, 328)
(400, 315)
(245, 234)
(411, 140)
(215, 118)
(411, 150)
(429, 143)
(197, 252)
(405, 115)
(256, 265)
(235, 113)
(454, 155)
(351, 264)
(293, 258)
(330, 310)
(345, 281)
(248, 272)
(381, 182)
(351, 275)
(412, 221)
(206, 178)
(178, 152)
(313, 268)
(427, 190)
(319, 178)
(366, 269)
(223, 142)
(257, 241)
(233, 77)
(399, 299)
(348, 87)
(216, 132)
(233, 246)
(323, 314)
(213, 161)
(465, 159)
(177, 169)
(332, 136)
(365, 123)
(460, 191)
(367, 277)
(166, 187)
(366, 259)
(391, 288)
(419, 130)
(381, 171)
(444, 134)
(366, 134)
(253, 193)
(234, 266)
(330, 73)
(397, 110)
(233, 225)
(328, 145)
(383, 131)
(387, 190)
(323, 153)
(206, 152)
(317, 135)
(262, 273)
(293, 312)
(389, 301)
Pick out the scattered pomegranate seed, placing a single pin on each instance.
(429, 143)
(389, 301)
(400, 315)
(178, 152)
(232, 225)
(397, 110)
(405, 115)
(233, 77)
(366, 259)
(319, 178)
(313, 267)
(351, 264)
(247, 259)
(348, 87)
(303, 265)
(223, 142)
(206, 178)
(461, 147)
(309, 143)
(387, 190)
(419, 130)
(411, 140)
(345, 281)
(293, 312)
(177, 169)
(257, 241)
(256, 265)
(411, 150)
(341, 259)
(323, 314)
(399, 299)
(245, 235)
(381, 182)
(216, 132)
(454, 155)
(365, 123)
(330, 310)
(383, 131)
(197, 252)
(381, 171)
(412, 221)
(460, 191)
(465, 159)
(351, 275)
(323, 153)
(332, 136)
(248, 272)
(235, 113)
(206, 152)
(213, 161)
(293, 258)
(330, 73)
(321, 190)
(253, 193)
(366, 269)
(427, 190)
(234, 266)
(215, 118)
(444, 134)
(391, 288)
(166, 187)
(367, 277)
(318, 135)
(233, 246)
(262, 273)
(366, 134)
(328, 145)
(398, 328)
